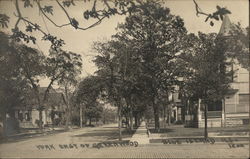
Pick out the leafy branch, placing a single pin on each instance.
(110, 8)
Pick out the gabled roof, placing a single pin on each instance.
(54, 98)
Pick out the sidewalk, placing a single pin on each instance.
(141, 135)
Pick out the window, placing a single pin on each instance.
(28, 116)
(243, 98)
(215, 106)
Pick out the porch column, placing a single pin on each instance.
(80, 116)
(176, 114)
(23, 115)
(223, 114)
(199, 112)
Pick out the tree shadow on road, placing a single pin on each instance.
(107, 134)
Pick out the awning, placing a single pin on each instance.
(232, 91)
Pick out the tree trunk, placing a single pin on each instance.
(131, 118)
(89, 121)
(156, 116)
(4, 125)
(52, 116)
(40, 124)
(67, 118)
(136, 120)
(40, 119)
(68, 107)
(80, 116)
(169, 116)
(164, 116)
(46, 116)
(205, 115)
(104, 116)
(119, 122)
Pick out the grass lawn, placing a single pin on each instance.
(180, 130)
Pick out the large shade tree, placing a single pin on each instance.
(157, 42)
(13, 85)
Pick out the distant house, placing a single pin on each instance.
(28, 115)
(234, 110)
(177, 105)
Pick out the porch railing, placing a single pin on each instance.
(212, 114)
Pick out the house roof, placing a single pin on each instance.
(54, 99)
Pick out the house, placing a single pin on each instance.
(28, 115)
(234, 110)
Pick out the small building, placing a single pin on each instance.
(28, 115)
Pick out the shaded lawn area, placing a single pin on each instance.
(110, 133)
(27, 133)
(180, 130)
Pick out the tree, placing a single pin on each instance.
(13, 85)
(94, 110)
(110, 8)
(239, 37)
(70, 70)
(122, 72)
(34, 65)
(109, 115)
(111, 72)
(210, 79)
(156, 36)
(31, 58)
(88, 95)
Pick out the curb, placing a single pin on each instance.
(200, 140)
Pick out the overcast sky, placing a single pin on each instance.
(80, 41)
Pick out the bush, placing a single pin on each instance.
(57, 121)
(172, 120)
(37, 122)
(75, 120)
(179, 122)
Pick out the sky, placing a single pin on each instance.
(81, 42)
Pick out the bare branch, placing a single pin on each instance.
(67, 14)
(20, 17)
(81, 28)
(198, 10)
(40, 8)
(19, 14)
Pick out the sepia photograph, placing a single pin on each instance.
(124, 79)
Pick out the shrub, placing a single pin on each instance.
(37, 122)
(179, 122)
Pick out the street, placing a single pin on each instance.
(82, 143)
